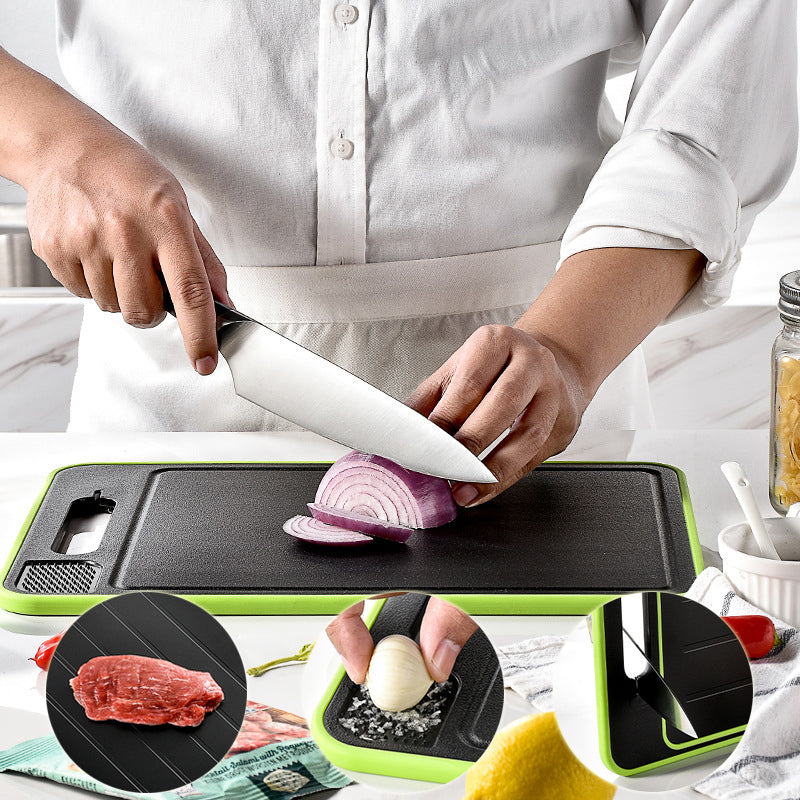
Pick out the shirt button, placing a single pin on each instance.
(345, 13)
(342, 148)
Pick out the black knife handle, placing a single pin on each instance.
(225, 314)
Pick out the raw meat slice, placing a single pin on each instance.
(260, 729)
(146, 691)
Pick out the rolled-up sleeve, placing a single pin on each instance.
(709, 139)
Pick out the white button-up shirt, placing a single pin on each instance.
(329, 132)
(464, 126)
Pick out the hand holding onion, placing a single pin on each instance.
(503, 378)
(444, 631)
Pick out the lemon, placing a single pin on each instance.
(529, 760)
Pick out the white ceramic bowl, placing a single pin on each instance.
(773, 586)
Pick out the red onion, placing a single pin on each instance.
(369, 486)
(312, 530)
(361, 523)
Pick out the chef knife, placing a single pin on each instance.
(282, 376)
(653, 689)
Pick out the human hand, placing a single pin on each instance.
(444, 631)
(107, 218)
(503, 378)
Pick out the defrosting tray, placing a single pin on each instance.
(561, 540)
(147, 757)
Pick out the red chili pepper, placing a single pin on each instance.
(44, 653)
(756, 633)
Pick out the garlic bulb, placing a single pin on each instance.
(397, 678)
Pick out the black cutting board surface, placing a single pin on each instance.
(575, 528)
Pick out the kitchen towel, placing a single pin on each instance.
(528, 669)
(766, 763)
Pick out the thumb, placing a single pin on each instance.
(353, 641)
(445, 630)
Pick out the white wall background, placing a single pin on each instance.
(28, 31)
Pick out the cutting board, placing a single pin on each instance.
(560, 541)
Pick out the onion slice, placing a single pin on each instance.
(316, 532)
(370, 486)
(361, 522)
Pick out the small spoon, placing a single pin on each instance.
(743, 490)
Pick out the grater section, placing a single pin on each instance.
(58, 577)
(470, 712)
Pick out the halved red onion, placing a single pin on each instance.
(353, 521)
(376, 488)
(313, 530)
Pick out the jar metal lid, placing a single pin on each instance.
(789, 303)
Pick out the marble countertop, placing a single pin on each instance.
(28, 458)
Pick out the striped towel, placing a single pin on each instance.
(528, 669)
(766, 763)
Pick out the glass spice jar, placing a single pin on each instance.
(784, 456)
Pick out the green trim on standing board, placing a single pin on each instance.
(301, 604)
(370, 760)
(6, 596)
(728, 735)
(603, 721)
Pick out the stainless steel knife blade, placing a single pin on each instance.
(653, 689)
(282, 376)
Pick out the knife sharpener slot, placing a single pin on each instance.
(633, 619)
(713, 683)
(84, 525)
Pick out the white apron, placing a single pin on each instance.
(392, 324)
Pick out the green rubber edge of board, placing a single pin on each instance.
(294, 604)
(603, 720)
(721, 738)
(378, 762)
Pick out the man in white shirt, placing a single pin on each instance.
(388, 183)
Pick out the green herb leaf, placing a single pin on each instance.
(300, 656)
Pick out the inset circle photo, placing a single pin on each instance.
(652, 691)
(146, 692)
(403, 692)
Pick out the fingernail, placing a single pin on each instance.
(465, 494)
(205, 365)
(444, 657)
